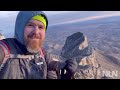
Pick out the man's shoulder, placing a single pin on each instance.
(7, 39)
(8, 42)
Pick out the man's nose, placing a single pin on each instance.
(36, 29)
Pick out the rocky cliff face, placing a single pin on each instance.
(77, 48)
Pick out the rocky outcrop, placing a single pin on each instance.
(77, 48)
(1, 36)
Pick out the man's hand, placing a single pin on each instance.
(71, 67)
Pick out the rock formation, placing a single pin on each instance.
(1, 36)
(77, 48)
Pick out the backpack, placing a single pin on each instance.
(6, 46)
(8, 55)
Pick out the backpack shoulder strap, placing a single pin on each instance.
(5, 48)
(6, 51)
(42, 52)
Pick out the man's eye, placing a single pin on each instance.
(29, 25)
(40, 27)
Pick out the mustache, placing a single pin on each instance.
(34, 36)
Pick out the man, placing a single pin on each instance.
(22, 57)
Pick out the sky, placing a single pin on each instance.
(4, 14)
(59, 18)
(102, 14)
(10, 13)
(7, 18)
(91, 16)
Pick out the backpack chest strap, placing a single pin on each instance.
(5, 50)
(7, 54)
(30, 57)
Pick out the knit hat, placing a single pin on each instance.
(40, 18)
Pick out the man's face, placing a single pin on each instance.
(34, 34)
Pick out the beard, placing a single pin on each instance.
(33, 44)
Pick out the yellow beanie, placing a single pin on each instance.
(40, 18)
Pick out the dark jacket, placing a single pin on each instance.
(22, 68)
(19, 67)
